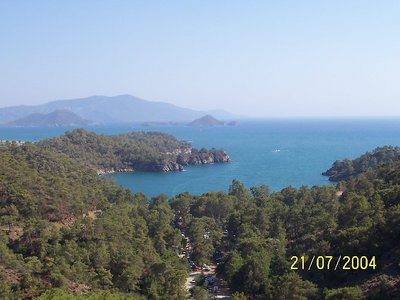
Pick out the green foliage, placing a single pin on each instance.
(145, 151)
(58, 294)
(36, 182)
(5, 291)
(65, 232)
(239, 296)
(202, 246)
(199, 293)
(344, 169)
(238, 190)
(252, 277)
(345, 293)
(63, 227)
(231, 264)
(292, 287)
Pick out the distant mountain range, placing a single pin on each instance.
(60, 117)
(116, 109)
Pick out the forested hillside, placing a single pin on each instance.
(63, 227)
(139, 151)
(66, 234)
(254, 235)
(344, 169)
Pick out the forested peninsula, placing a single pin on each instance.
(135, 151)
(345, 169)
(67, 233)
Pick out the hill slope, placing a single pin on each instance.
(60, 117)
(139, 151)
(116, 109)
(62, 227)
(344, 169)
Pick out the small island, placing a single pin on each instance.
(206, 120)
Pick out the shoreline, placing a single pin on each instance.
(164, 170)
(113, 171)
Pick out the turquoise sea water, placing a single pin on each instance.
(274, 152)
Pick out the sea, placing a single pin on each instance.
(275, 152)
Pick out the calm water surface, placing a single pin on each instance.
(275, 152)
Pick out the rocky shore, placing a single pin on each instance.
(203, 157)
(195, 157)
(177, 162)
(113, 170)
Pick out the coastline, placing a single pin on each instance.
(113, 171)
(169, 167)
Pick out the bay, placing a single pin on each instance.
(278, 152)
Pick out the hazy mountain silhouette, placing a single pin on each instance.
(61, 117)
(116, 109)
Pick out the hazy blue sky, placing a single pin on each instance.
(260, 58)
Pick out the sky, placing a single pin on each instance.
(254, 58)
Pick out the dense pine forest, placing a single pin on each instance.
(66, 233)
(63, 227)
